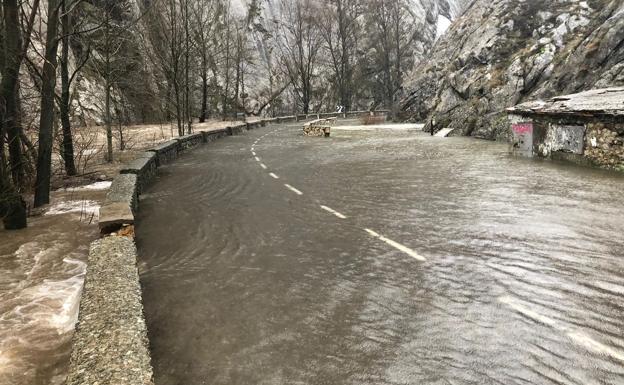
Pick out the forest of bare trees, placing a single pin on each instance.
(65, 64)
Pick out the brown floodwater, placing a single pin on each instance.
(41, 276)
(381, 257)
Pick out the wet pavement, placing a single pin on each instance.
(381, 257)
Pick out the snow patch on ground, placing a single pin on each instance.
(399, 127)
(442, 26)
(97, 186)
(87, 207)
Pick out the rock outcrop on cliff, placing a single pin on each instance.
(427, 21)
(139, 85)
(502, 52)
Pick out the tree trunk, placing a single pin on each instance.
(68, 143)
(12, 121)
(108, 123)
(187, 65)
(176, 90)
(12, 206)
(9, 87)
(204, 101)
(46, 124)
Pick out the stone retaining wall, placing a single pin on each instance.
(110, 344)
(144, 167)
(166, 152)
(190, 140)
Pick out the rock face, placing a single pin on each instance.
(503, 52)
(139, 85)
(428, 20)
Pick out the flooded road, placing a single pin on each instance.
(381, 257)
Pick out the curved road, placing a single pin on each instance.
(381, 257)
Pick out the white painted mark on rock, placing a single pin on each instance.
(274, 176)
(291, 188)
(397, 245)
(578, 337)
(336, 213)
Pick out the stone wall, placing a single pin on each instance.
(582, 140)
(110, 345)
(318, 127)
(604, 144)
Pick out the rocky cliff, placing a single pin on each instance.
(138, 83)
(502, 52)
(426, 22)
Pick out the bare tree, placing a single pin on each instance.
(184, 11)
(114, 58)
(391, 41)
(68, 31)
(167, 32)
(205, 15)
(14, 45)
(338, 24)
(299, 47)
(46, 121)
(226, 53)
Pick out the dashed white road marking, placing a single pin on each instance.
(274, 176)
(263, 166)
(578, 337)
(291, 188)
(253, 153)
(257, 159)
(336, 213)
(397, 245)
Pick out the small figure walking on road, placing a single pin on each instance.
(432, 123)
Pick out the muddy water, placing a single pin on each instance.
(41, 276)
(247, 282)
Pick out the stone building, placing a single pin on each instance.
(586, 128)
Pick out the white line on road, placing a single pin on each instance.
(253, 153)
(274, 176)
(336, 213)
(263, 166)
(257, 159)
(291, 188)
(578, 337)
(397, 245)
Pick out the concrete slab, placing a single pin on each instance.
(124, 190)
(444, 132)
(114, 215)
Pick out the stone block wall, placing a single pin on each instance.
(319, 127)
(144, 167)
(604, 144)
(190, 140)
(166, 152)
(582, 140)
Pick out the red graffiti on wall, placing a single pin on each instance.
(522, 128)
